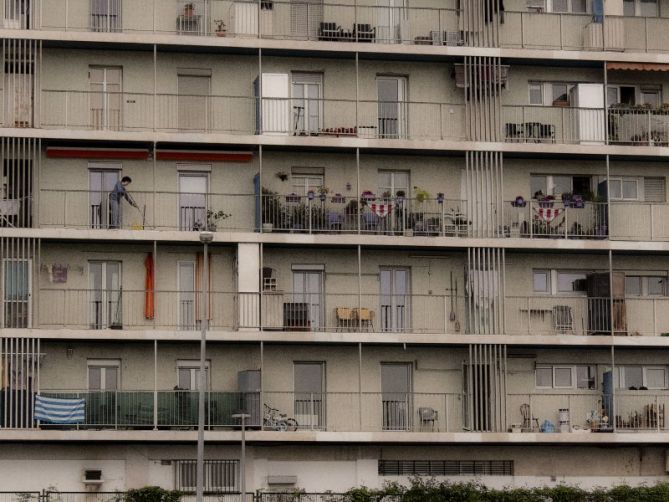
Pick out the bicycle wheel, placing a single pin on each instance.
(281, 426)
(292, 424)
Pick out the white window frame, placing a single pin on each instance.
(194, 366)
(644, 287)
(622, 179)
(638, 92)
(637, 9)
(620, 375)
(570, 8)
(553, 281)
(549, 282)
(574, 376)
(546, 90)
(305, 183)
(103, 365)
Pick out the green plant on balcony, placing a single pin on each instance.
(213, 217)
(271, 208)
(420, 194)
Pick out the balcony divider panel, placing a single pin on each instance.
(21, 62)
(19, 381)
(486, 388)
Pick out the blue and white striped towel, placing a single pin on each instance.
(59, 411)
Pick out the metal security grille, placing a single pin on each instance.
(219, 475)
(446, 467)
(19, 381)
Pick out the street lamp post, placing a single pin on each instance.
(205, 239)
(242, 461)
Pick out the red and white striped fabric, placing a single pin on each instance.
(381, 210)
(548, 214)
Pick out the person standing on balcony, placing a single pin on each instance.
(115, 197)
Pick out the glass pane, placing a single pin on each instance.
(629, 189)
(633, 286)
(612, 96)
(585, 377)
(655, 378)
(111, 378)
(541, 282)
(567, 281)
(536, 97)
(395, 378)
(559, 5)
(544, 377)
(656, 286)
(560, 92)
(16, 280)
(538, 184)
(561, 184)
(651, 98)
(578, 6)
(388, 89)
(308, 378)
(628, 7)
(616, 188)
(648, 8)
(563, 377)
(633, 376)
(184, 378)
(94, 378)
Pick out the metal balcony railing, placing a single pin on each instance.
(574, 409)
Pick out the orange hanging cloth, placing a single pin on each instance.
(149, 288)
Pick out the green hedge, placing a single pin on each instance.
(430, 490)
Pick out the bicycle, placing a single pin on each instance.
(272, 419)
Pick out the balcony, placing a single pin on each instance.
(88, 110)
(288, 412)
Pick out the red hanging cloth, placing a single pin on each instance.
(149, 310)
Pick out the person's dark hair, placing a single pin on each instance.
(126, 178)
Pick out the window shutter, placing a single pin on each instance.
(655, 190)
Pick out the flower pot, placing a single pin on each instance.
(267, 227)
(220, 33)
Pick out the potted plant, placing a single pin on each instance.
(421, 194)
(220, 28)
(323, 193)
(338, 199)
(440, 198)
(366, 197)
(282, 175)
(213, 217)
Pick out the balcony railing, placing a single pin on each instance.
(629, 126)
(577, 409)
(127, 111)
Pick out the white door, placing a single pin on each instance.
(105, 97)
(307, 104)
(193, 201)
(186, 287)
(275, 108)
(17, 293)
(305, 18)
(101, 182)
(106, 15)
(105, 309)
(392, 21)
(19, 98)
(395, 299)
(194, 102)
(188, 375)
(392, 107)
(103, 375)
(396, 399)
(17, 14)
(309, 388)
(307, 306)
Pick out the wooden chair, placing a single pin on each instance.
(365, 318)
(345, 318)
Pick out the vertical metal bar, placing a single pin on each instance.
(155, 378)
(359, 321)
(360, 386)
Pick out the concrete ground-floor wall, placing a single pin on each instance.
(59, 467)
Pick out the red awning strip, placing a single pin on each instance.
(204, 156)
(96, 153)
(637, 66)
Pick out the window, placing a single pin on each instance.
(641, 8)
(309, 388)
(542, 281)
(219, 475)
(104, 374)
(188, 374)
(623, 188)
(570, 282)
(17, 292)
(303, 183)
(578, 376)
(575, 6)
(640, 377)
(549, 184)
(632, 95)
(307, 104)
(445, 468)
(651, 285)
(550, 93)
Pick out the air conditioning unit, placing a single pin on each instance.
(92, 478)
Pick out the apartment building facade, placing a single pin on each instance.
(440, 244)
